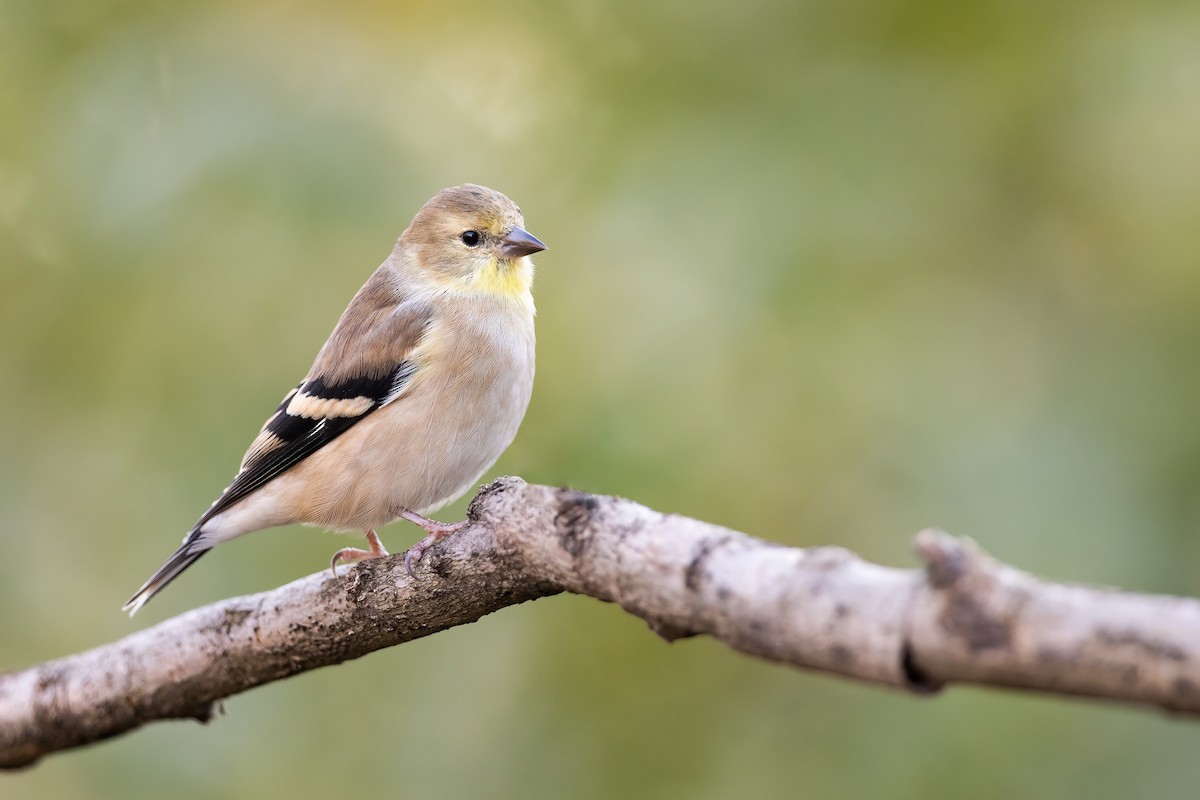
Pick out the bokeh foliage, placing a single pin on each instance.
(823, 272)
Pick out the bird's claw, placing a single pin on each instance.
(413, 556)
(348, 555)
(352, 554)
(436, 530)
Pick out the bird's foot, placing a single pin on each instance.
(435, 529)
(349, 555)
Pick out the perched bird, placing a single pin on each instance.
(419, 389)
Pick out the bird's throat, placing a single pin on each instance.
(505, 278)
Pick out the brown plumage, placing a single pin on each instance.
(419, 389)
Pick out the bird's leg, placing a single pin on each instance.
(350, 554)
(435, 529)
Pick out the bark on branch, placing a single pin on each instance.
(964, 618)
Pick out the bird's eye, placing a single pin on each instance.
(470, 238)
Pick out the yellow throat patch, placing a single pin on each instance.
(506, 279)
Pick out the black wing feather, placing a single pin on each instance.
(299, 437)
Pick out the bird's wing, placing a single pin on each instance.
(367, 363)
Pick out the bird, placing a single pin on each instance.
(417, 392)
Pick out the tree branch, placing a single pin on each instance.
(965, 618)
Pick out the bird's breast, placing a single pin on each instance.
(425, 449)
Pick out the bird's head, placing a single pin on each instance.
(471, 238)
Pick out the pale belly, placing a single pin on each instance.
(422, 458)
(419, 453)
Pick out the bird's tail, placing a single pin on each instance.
(192, 548)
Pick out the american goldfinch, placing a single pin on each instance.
(419, 389)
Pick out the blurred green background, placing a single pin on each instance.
(823, 272)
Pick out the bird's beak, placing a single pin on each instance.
(520, 242)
